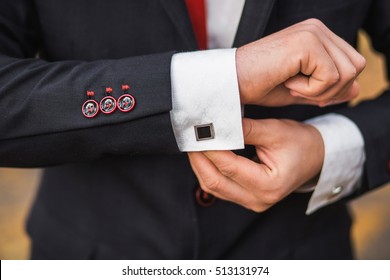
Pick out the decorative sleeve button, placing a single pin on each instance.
(90, 107)
(203, 198)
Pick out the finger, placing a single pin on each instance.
(347, 60)
(345, 66)
(245, 172)
(258, 180)
(344, 91)
(212, 181)
(347, 93)
(224, 187)
(323, 92)
(350, 92)
(281, 96)
(356, 58)
(340, 96)
(260, 133)
(319, 74)
(255, 132)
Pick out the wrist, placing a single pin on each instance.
(319, 148)
(244, 83)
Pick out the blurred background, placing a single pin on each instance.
(371, 230)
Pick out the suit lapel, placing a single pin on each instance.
(177, 11)
(253, 21)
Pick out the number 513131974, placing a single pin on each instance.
(241, 270)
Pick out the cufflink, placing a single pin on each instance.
(204, 132)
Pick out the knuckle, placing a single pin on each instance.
(361, 63)
(350, 74)
(228, 169)
(332, 77)
(318, 24)
(313, 25)
(212, 186)
(314, 21)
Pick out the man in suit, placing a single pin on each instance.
(119, 186)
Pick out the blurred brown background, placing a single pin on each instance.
(371, 231)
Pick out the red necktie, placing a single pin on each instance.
(197, 12)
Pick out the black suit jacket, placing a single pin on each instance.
(118, 187)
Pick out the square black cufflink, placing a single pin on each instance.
(204, 132)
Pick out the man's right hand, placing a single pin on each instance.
(302, 64)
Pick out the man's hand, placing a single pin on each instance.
(305, 63)
(290, 154)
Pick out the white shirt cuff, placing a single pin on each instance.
(205, 92)
(343, 162)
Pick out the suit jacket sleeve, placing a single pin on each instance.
(373, 117)
(40, 101)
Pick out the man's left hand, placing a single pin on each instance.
(290, 154)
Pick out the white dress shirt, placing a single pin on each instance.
(205, 91)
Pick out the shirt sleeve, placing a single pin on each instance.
(206, 110)
(343, 163)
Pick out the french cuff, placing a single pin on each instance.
(206, 110)
(343, 163)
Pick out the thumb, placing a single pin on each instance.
(256, 132)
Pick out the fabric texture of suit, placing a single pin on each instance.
(116, 186)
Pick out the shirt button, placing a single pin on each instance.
(336, 190)
(203, 198)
